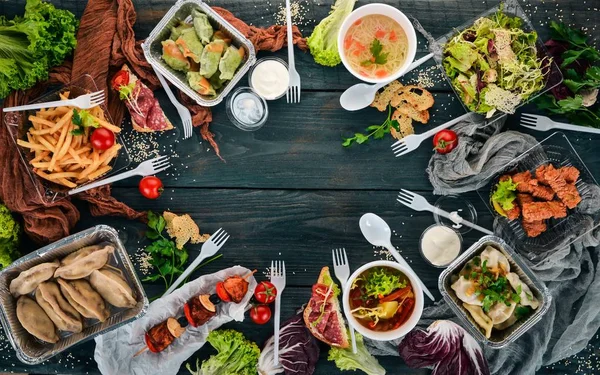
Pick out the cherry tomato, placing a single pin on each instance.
(260, 314)
(102, 139)
(265, 292)
(120, 79)
(445, 141)
(151, 187)
(188, 314)
(222, 293)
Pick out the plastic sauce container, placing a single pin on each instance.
(246, 109)
(269, 78)
(440, 245)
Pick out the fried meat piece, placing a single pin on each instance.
(527, 184)
(536, 211)
(513, 213)
(567, 193)
(569, 173)
(236, 287)
(534, 228)
(524, 198)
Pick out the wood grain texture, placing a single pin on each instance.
(290, 191)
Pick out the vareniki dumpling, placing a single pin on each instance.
(28, 280)
(85, 265)
(484, 321)
(499, 313)
(64, 316)
(527, 298)
(190, 45)
(202, 25)
(84, 299)
(35, 320)
(465, 291)
(113, 288)
(230, 61)
(84, 251)
(495, 259)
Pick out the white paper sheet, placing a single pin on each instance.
(114, 350)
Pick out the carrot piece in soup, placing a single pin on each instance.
(381, 73)
(392, 36)
(348, 42)
(358, 21)
(379, 34)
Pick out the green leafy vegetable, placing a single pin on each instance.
(10, 234)
(345, 359)
(83, 119)
(236, 355)
(375, 131)
(323, 40)
(577, 41)
(32, 44)
(380, 281)
(522, 311)
(505, 194)
(378, 57)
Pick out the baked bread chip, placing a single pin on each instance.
(417, 97)
(405, 124)
(382, 99)
(410, 111)
(183, 229)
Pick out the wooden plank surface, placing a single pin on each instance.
(290, 190)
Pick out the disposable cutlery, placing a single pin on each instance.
(378, 233)
(419, 203)
(83, 102)
(293, 93)
(341, 268)
(209, 248)
(278, 280)
(543, 123)
(147, 168)
(184, 113)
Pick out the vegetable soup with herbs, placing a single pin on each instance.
(382, 299)
(375, 46)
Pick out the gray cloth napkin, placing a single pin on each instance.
(571, 273)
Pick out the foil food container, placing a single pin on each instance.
(498, 338)
(182, 9)
(32, 351)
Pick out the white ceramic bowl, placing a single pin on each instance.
(394, 14)
(404, 328)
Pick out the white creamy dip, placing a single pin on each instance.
(440, 245)
(270, 79)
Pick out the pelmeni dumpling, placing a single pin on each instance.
(465, 291)
(28, 280)
(507, 323)
(84, 251)
(84, 299)
(500, 313)
(527, 298)
(484, 321)
(84, 265)
(113, 288)
(495, 259)
(35, 320)
(64, 316)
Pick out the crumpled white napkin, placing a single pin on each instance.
(115, 349)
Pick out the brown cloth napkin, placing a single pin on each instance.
(105, 41)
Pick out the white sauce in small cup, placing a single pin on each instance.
(270, 79)
(440, 245)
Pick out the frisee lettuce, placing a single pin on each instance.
(505, 194)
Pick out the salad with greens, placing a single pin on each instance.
(493, 65)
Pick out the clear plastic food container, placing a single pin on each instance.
(558, 151)
(32, 351)
(499, 338)
(511, 8)
(18, 124)
(182, 9)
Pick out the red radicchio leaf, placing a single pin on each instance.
(491, 47)
(469, 36)
(447, 347)
(561, 92)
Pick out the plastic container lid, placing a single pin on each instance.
(456, 203)
(246, 109)
(258, 64)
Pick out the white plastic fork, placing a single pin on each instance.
(412, 142)
(83, 102)
(147, 168)
(341, 269)
(543, 123)
(184, 113)
(209, 248)
(419, 203)
(278, 280)
(293, 93)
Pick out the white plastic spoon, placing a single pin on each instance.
(362, 94)
(378, 233)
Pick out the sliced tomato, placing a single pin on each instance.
(222, 293)
(149, 343)
(188, 314)
(120, 79)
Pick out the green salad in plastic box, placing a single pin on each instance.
(494, 65)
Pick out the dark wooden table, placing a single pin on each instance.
(290, 190)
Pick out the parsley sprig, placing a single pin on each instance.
(494, 288)
(379, 57)
(375, 131)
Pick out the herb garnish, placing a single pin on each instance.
(83, 119)
(377, 131)
(378, 58)
(492, 285)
